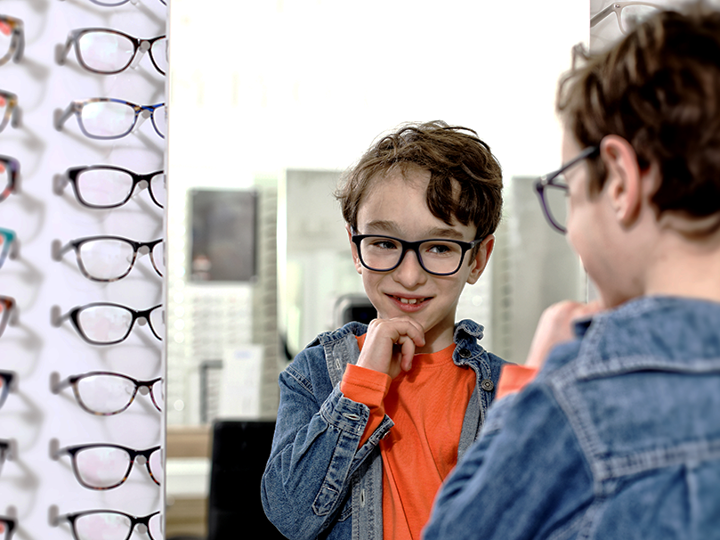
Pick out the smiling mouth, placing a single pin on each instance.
(409, 301)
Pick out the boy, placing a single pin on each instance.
(619, 434)
(372, 418)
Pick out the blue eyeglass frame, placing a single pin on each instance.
(76, 108)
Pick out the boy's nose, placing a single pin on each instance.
(409, 273)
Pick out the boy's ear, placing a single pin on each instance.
(480, 260)
(624, 184)
(353, 250)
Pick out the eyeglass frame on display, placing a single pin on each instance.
(57, 385)
(140, 44)
(13, 114)
(76, 107)
(17, 42)
(10, 523)
(617, 7)
(134, 521)
(58, 250)
(10, 247)
(9, 314)
(57, 320)
(72, 451)
(12, 165)
(548, 181)
(71, 176)
(9, 385)
(122, 2)
(414, 247)
(8, 451)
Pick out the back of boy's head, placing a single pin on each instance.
(659, 89)
(465, 178)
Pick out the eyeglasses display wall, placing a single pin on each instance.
(83, 123)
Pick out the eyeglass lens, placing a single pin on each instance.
(437, 256)
(632, 15)
(108, 525)
(556, 201)
(107, 187)
(112, 393)
(109, 259)
(110, 52)
(111, 323)
(105, 467)
(114, 119)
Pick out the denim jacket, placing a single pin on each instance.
(618, 437)
(317, 482)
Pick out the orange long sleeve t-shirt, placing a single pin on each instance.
(427, 405)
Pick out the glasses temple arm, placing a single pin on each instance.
(599, 16)
(62, 51)
(57, 385)
(60, 116)
(56, 319)
(142, 48)
(20, 38)
(57, 250)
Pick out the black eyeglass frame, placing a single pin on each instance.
(134, 521)
(73, 380)
(74, 316)
(72, 451)
(10, 523)
(73, 173)
(8, 378)
(17, 42)
(415, 247)
(140, 44)
(550, 181)
(137, 246)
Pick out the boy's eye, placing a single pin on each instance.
(382, 243)
(435, 248)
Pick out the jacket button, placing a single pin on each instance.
(487, 385)
(464, 353)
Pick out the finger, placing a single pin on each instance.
(407, 353)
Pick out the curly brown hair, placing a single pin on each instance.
(465, 177)
(659, 89)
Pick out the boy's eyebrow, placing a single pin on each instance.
(380, 226)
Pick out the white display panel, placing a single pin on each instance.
(43, 215)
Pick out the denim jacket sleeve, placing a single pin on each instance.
(524, 477)
(315, 450)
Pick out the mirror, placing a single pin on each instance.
(279, 97)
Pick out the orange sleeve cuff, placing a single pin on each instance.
(513, 378)
(368, 387)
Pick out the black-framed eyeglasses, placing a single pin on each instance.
(103, 466)
(552, 190)
(106, 323)
(12, 39)
(629, 14)
(107, 51)
(8, 312)
(437, 256)
(9, 172)
(108, 186)
(7, 452)
(7, 384)
(110, 258)
(106, 393)
(110, 118)
(9, 245)
(111, 525)
(7, 526)
(9, 110)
